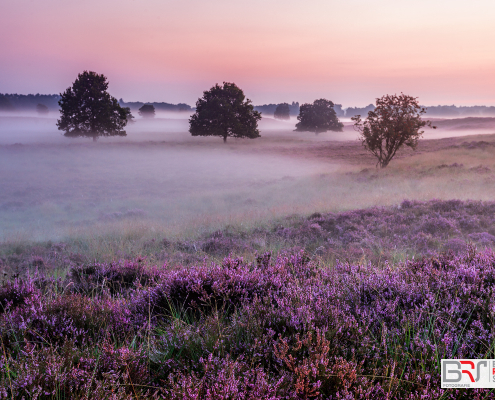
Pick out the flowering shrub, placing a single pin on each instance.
(206, 288)
(115, 277)
(15, 293)
(412, 228)
(286, 327)
(223, 379)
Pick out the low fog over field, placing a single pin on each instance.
(160, 179)
(28, 128)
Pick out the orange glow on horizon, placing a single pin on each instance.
(170, 51)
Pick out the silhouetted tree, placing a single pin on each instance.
(5, 104)
(88, 110)
(147, 111)
(318, 117)
(41, 109)
(396, 121)
(282, 111)
(224, 111)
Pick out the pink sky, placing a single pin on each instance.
(348, 51)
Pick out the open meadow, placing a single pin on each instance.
(159, 182)
(161, 265)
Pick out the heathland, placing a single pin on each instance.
(288, 266)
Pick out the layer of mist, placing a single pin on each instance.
(29, 128)
(161, 179)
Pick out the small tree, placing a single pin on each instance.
(282, 111)
(318, 117)
(87, 110)
(224, 111)
(41, 109)
(147, 111)
(396, 121)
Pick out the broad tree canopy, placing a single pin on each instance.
(318, 117)
(224, 111)
(88, 110)
(282, 111)
(147, 111)
(396, 121)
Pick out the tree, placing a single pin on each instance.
(318, 117)
(224, 111)
(282, 111)
(147, 111)
(41, 109)
(87, 110)
(396, 121)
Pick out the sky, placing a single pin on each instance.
(347, 51)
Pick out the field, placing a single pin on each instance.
(165, 266)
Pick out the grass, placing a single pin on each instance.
(379, 235)
(179, 189)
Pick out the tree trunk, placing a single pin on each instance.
(225, 139)
(95, 138)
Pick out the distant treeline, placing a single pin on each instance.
(136, 105)
(28, 102)
(270, 108)
(363, 111)
(454, 111)
(434, 111)
(293, 109)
